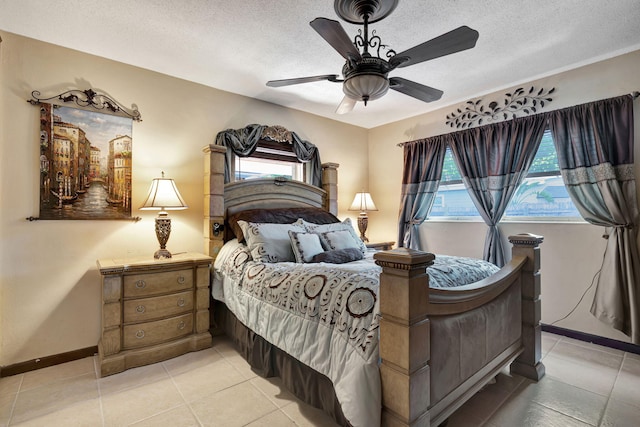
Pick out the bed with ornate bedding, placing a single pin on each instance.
(397, 338)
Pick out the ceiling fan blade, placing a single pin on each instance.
(462, 38)
(287, 82)
(346, 105)
(416, 90)
(337, 37)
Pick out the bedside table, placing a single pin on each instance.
(153, 309)
(380, 246)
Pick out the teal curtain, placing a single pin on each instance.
(493, 161)
(595, 153)
(423, 161)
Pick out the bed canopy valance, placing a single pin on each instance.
(243, 142)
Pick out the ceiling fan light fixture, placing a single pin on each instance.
(366, 87)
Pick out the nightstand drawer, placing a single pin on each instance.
(138, 285)
(145, 309)
(145, 334)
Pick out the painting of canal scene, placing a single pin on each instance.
(85, 164)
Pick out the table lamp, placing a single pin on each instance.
(363, 203)
(163, 196)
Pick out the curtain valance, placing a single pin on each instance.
(243, 142)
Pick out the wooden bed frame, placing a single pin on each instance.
(414, 344)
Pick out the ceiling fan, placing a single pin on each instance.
(365, 76)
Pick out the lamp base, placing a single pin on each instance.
(163, 230)
(363, 222)
(162, 254)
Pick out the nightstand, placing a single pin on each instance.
(380, 246)
(153, 309)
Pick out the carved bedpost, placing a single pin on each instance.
(404, 337)
(330, 185)
(528, 363)
(213, 198)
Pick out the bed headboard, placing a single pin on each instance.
(222, 199)
(270, 193)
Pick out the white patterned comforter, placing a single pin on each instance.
(325, 315)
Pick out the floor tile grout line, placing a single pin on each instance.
(551, 349)
(186, 402)
(15, 400)
(497, 408)
(277, 408)
(582, 388)
(562, 413)
(98, 374)
(244, 380)
(607, 397)
(606, 405)
(609, 352)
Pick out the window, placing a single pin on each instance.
(542, 194)
(269, 161)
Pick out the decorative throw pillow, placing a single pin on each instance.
(338, 257)
(277, 216)
(338, 226)
(340, 239)
(305, 245)
(270, 242)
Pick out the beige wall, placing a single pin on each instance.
(49, 285)
(571, 253)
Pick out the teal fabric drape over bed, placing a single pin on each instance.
(243, 142)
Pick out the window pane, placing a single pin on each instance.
(546, 159)
(542, 193)
(452, 199)
(251, 168)
(542, 197)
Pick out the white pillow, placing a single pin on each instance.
(337, 226)
(305, 245)
(270, 242)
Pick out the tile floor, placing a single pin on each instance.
(585, 385)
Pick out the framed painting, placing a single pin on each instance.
(85, 164)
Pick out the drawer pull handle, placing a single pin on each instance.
(140, 334)
(181, 325)
(181, 279)
(140, 309)
(141, 284)
(181, 302)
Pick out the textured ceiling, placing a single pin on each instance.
(238, 46)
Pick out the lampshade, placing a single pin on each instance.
(365, 87)
(363, 203)
(163, 195)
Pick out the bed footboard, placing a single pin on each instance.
(408, 306)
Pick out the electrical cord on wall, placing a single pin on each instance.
(606, 236)
(581, 298)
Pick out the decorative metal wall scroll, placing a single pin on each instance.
(85, 157)
(518, 102)
(92, 99)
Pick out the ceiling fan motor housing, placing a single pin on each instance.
(366, 79)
